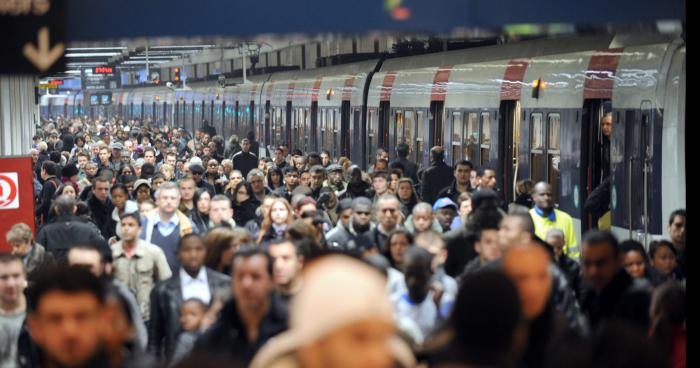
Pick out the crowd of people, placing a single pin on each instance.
(158, 248)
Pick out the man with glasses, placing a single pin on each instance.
(198, 176)
(359, 227)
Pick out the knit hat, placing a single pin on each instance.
(357, 292)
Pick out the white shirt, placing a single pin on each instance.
(195, 287)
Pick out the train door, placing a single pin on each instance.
(268, 116)
(396, 131)
(508, 144)
(288, 126)
(419, 152)
(354, 147)
(384, 116)
(345, 129)
(594, 159)
(437, 122)
(544, 154)
(314, 134)
(372, 134)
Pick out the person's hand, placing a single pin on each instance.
(438, 290)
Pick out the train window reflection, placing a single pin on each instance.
(408, 129)
(537, 132)
(419, 136)
(457, 130)
(398, 135)
(554, 121)
(373, 121)
(471, 137)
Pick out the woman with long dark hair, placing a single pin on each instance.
(200, 212)
(274, 178)
(244, 203)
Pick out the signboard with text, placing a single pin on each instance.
(16, 195)
(32, 36)
(100, 78)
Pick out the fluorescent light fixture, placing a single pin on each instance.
(93, 54)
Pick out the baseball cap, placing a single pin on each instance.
(334, 167)
(197, 168)
(116, 145)
(141, 182)
(444, 202)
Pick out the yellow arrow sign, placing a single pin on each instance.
(47, 85)
(44, 57)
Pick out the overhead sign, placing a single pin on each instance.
(32, 36)
(48, 85)
(16, 195)
(100, 78)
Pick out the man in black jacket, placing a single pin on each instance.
(245, 160)
(66, 230)
(168, 295)
(410, 169)
(254, 316)
(291, 181)
(437, 177)
(461, 183)
(100, 205)
(49, 170)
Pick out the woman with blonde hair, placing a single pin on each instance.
(275, 221)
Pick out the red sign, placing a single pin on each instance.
(57, 82)
(16, 195)
(103, 70)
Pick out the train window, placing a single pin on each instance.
(485, 137)
(398, 118)
(457, 130)
(408, 129)
(372, 131)
(419, 136)
(553, 153)
(323, 128)
(336, 132)
(537, 132)
(471, 137)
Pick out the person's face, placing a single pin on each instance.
(405, 191)
(557, 243)
(191, 254)
(117, 154)
(359, 344)
(206, 151)
(279, 156)
(606, 125)
(203, 204)
(664, 260)
(417, 276)
(305, 179)
(220, 211)
(171, 160)
(82, 161)
(445, 216)
(279, 213)
(35, 156)
(213, 167)
(101, 190)
(187, 189)
(276, 178)
(543, 197)
(380, 185)
(489, 179)
(634, 264)
(245, 146)
(384, 156)
(242, 194)
(300, 163)
(119, 198)
(292, 180)
(88, 259)
(236, 177)
(422, 220)
(205, 138)
(345, 216)
(487, 246)
(388, 212)
(510, 232)
(397, 246)
(394, 181)
(95, 151)
(104, 156)
(599, 265)
(362, 215)
(465, 208)
(145, 208)
(325, 159)
(69, 191)
(529, 269)
(462, 174)
(12, 281)
(317, 180)
(335, 177)
(251, 283)
(286, 265)
(130, 229)
(168, 200)
(67, 327)
(191, 315)
(91, 170)
(143, 193)
(256, 182)
(474, 178)
(150, 157)
(129, 146)
(21, 247)
(677, 230)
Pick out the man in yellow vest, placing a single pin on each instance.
(545, 217)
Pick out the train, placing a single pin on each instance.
(530, 110)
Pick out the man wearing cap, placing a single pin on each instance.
(335, 179)
(116, 158)
(326, 337)
(245, 160)
(198, 176)
(445, 211)
(253, 317)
